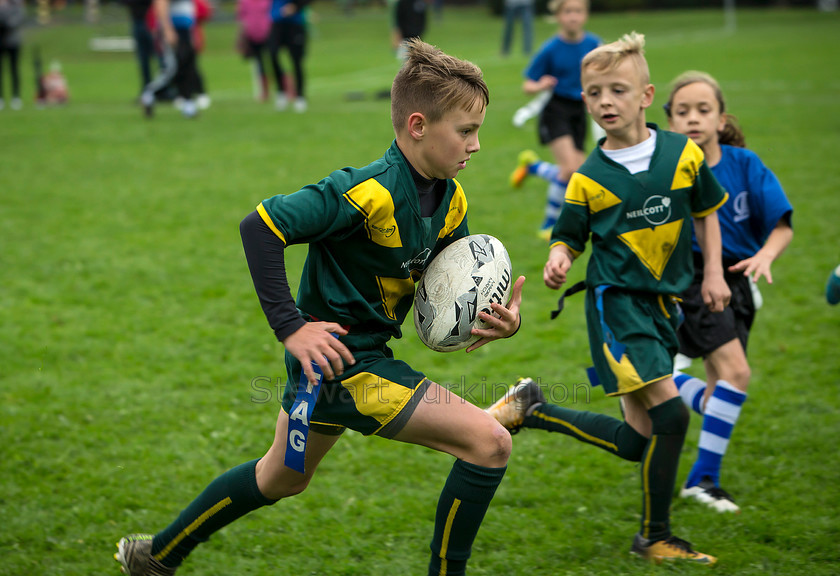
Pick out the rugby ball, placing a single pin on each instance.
(460, 282)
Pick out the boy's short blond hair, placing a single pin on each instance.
(609, 56)
(433, 83)
(554, 6)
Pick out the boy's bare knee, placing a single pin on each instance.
(279, 490)
(297, 488)
(504, 443)
(738, 376)
(494, 447)
(741, 379)
(280, 482)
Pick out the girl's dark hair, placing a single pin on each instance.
(731, 133)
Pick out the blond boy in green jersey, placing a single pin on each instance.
(633, 197)
(371, 232)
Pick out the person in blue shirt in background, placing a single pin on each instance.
(562, 124)
(755, 225)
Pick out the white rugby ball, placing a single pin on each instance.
(462, 280)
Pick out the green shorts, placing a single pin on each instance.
(376, 395)
(633, 341)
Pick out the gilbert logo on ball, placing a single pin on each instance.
(465, 278)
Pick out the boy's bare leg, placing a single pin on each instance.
(274, 479)
(445, 422)
(567, 156)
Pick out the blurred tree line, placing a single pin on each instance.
(624, 5)
(226, 8)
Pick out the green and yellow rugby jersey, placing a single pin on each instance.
(368, 243)
(640, 224)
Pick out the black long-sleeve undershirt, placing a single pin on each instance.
(265, 254)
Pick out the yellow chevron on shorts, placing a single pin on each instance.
(193, 527)
(626, 374)
(447, 530)
(377, 397)
(577, 431)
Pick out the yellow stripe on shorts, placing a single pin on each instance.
(377, 397)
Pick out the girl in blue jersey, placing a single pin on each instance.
(562, 123)
(755, 225)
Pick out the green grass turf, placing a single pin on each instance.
(133, 344)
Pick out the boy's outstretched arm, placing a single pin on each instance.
(714, 288)
(307, 341)
(506, 320)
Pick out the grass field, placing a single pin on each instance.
(132, 339)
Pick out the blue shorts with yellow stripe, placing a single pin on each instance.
(632, 337)
(376, 395)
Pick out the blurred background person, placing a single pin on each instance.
(555, 70)
(175, 20)
(12, 13)
(410, 18)
(144, 44)
(522, 10)
(254, 29)
(288, 30)
(203, 13)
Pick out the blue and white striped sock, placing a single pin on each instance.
(722, 411)
(545, 170)
(691, 390)
(553, 204)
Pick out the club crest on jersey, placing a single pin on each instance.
(418, 262)
(742, 206)
(656, 211)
